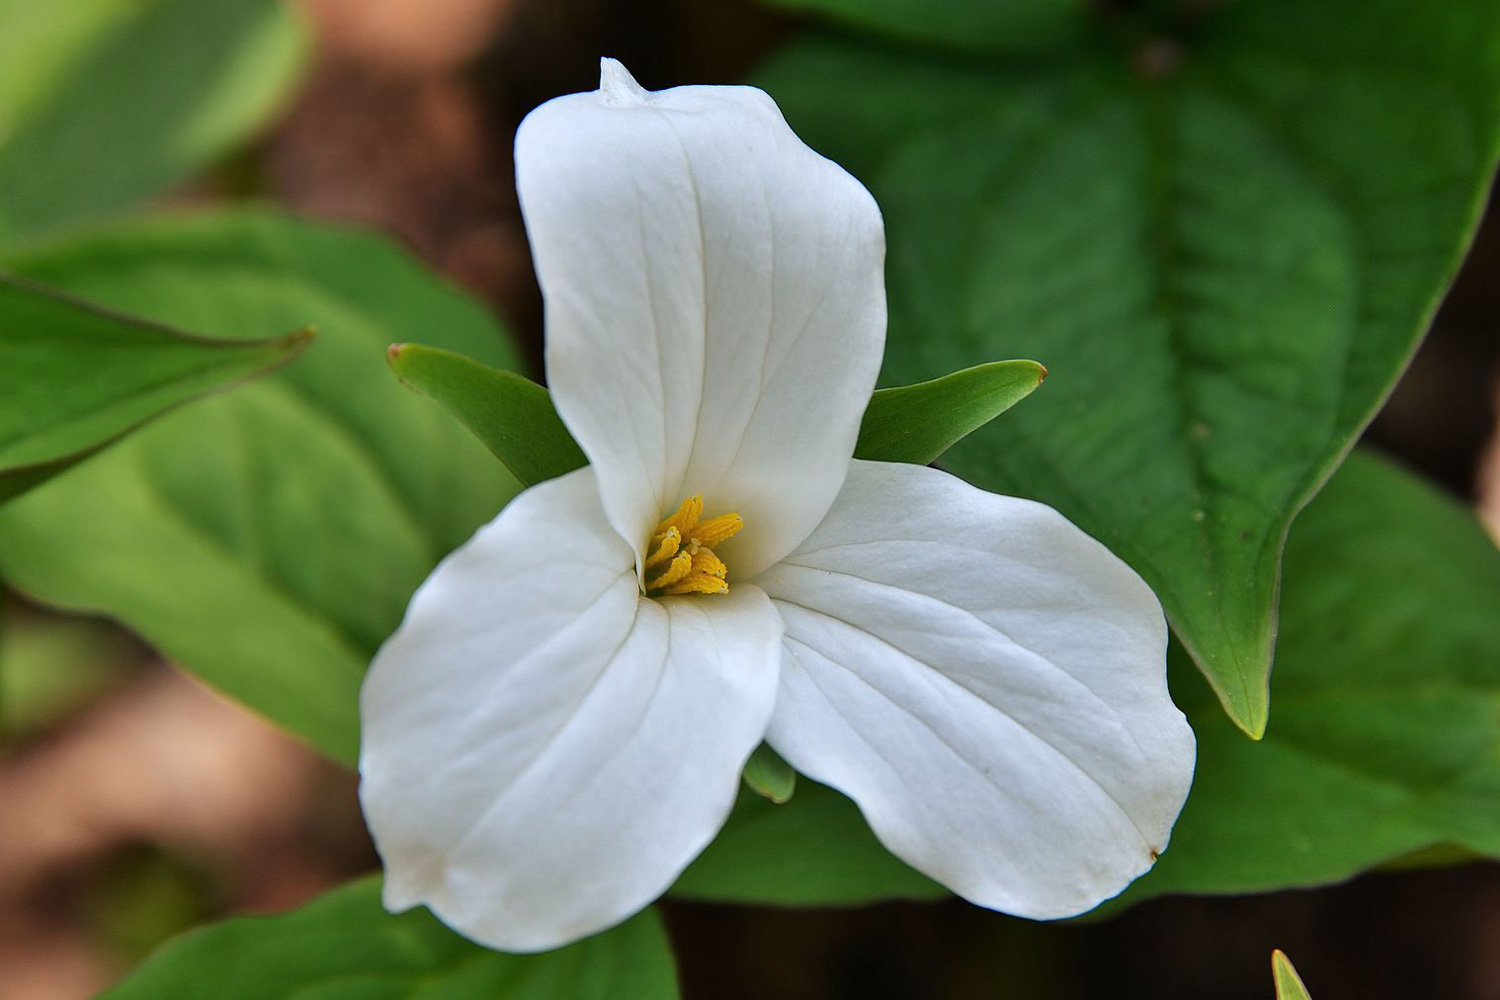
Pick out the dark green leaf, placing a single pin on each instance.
(813, 851)
(103, 103)
(345, 946)
(917, 423)
(76, 377)
(511, 414)
(1224, 246)
(770, 777)
(1387, 678)
(269, 538)
(996, 25)
(1288, 983)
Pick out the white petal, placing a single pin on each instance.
(544, 749)
(988, 683)
(715, 304)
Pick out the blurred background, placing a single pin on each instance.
(135, 803)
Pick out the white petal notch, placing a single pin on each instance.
(559, 724)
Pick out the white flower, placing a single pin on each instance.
(548, 741)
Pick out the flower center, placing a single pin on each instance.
(681, 556)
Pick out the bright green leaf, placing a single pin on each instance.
(997, 25)
(1225, 253)
(1386, 739)
(106, 102)
(770, 777)
(76, 377)
(815, 850)
(511, 414)
(267, 539)
(345, 946)
(918, 423)
(1288, 983)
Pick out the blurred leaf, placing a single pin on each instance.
(1288, 983)
(918, 423)
(813, 851)
(1386, 738)
(1224, 245)
(998, 25)
(267, 539)
(53, 665)
(77, 377)
(770, 777)
(106, 102)
(138, 897)
(345, 946)
(511, 414)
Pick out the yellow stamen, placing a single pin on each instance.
(684, 543)
(667, 543)
(697, 583)
(704, 561)
(717, 530)
(686, 517)
(681, 566)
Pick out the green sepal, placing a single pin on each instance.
(78, 377)
(1288, 983)
(516, 420)
(512, 415)
(767, 775)
(917, 423)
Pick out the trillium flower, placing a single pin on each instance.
(559, 725)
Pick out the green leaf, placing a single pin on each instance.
(1288, 983)
(77, 377)
(815, 850)
(106, 102)
(770, 777)
(267, 539)
(918, 423)
(345, 946)
(511, 414)
(1003, 25)
(1224, 245)
(1387, 680)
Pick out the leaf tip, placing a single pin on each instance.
(1289, 985)
(1248, 708)
(1253, 720)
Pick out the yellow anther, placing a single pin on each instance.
(697, 583)
(680, 567)
(666, 545)
(704, 561)
(686, 517)
(684, 543)
(716, 530)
